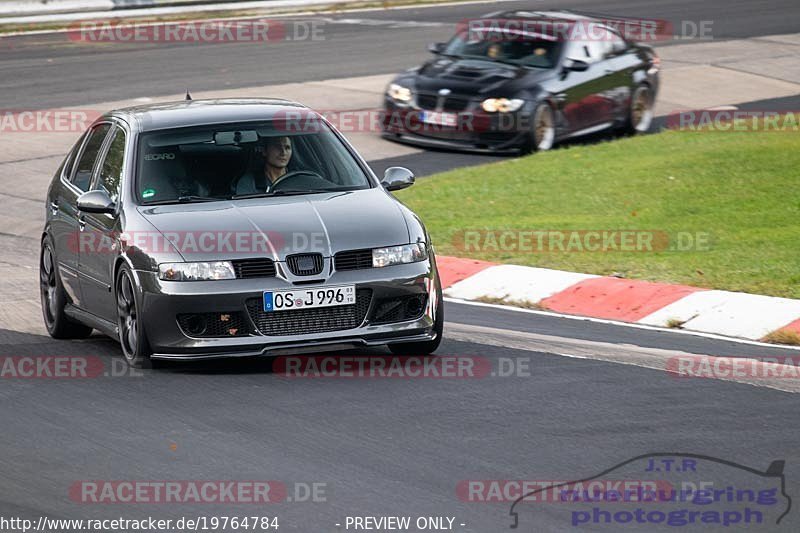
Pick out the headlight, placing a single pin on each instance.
(398, 255)
(503, 105)
(399, 93)
(196, 271)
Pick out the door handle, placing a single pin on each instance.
(54, 207)
(81, 223)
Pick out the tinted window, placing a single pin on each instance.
(65, 170)
(298, 152)
(111, 171)
(506, 47)
(83, 172)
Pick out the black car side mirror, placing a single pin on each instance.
(576, 65)
(95, 202)
(436, 48)
(396, 178)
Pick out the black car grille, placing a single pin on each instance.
(353, 260)
(427, 101)
(389, 310)
(455, 104)
(305, 264)
(254, 268)
(449, 103)
(309, 321)
(207, 325)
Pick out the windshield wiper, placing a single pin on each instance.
(281, 192)
(187, 200)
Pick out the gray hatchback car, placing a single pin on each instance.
(202, 229)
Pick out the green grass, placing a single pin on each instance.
(743, 189)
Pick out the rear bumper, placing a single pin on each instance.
(164, 302)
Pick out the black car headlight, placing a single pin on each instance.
(399, 255)
(502, 105)
(399, 93)
(209, 271)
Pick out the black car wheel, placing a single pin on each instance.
(425, 347)
(54, 299)
(641, 113)
(134, 343)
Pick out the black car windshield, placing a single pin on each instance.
(297, 155)
(517, 48)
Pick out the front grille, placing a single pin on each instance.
(305, 264)
(427, 101)
(309, 321)
(353, 260)
(388, 310)
(254, 268)
(208, 325)
(449, 103)
(455, 104)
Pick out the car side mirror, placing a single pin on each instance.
(436, 48)
(396, 178)
(576, 65)
(95, 202)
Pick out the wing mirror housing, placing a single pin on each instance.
(576, 65)
(96, 202)
(396, 178)
(436, 48)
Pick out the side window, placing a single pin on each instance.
(110, 177)
(65, 170)
(612, 43)
(579, 51)
(596, 49)
(83, 170)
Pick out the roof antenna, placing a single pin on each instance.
(188, 96)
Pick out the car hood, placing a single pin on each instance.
(278, 226)
(475, 76)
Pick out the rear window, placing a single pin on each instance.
(224, 161)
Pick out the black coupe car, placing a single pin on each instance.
(524, 81)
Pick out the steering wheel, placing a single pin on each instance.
(293, 175)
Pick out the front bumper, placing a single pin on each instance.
(474, 131)
(163, 302)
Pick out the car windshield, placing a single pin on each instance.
(232, 161)
(517, 48)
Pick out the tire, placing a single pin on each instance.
(640, 114)
(54, 298)
(424, 347)
(132, 338)
(543, 129)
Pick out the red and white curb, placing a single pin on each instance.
(731, 314)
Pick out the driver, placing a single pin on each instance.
(277, 153)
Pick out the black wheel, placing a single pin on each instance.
(641, 113)
(134, 343)
(54, 299)
(543, 129)
(425, 347)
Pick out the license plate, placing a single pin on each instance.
(440, 119)
(310, 298)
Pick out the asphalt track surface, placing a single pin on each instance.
(380, 446)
